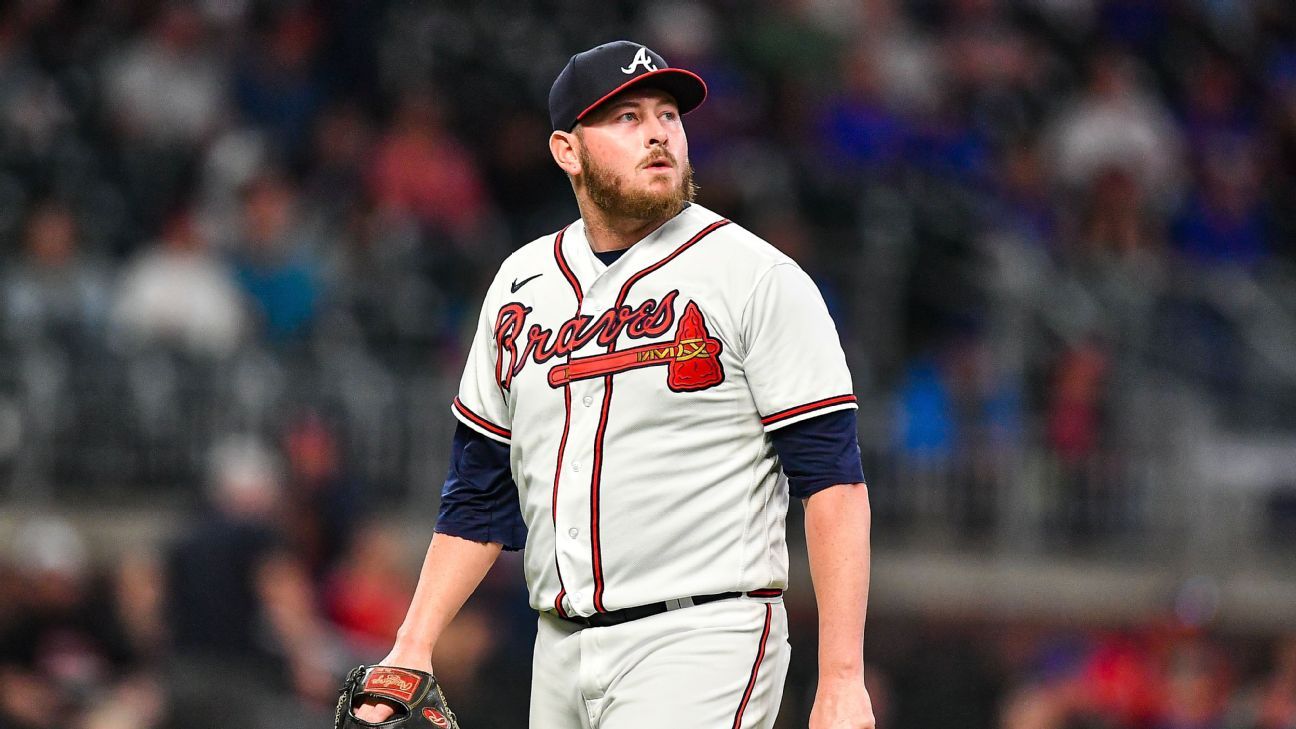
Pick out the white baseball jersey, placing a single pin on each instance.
(636, 400)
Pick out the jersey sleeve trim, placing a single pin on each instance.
(480, 424)
(800, 412)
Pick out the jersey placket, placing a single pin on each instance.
(575, 503)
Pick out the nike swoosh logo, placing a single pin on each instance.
(519, 284)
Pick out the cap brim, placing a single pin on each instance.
(687, 87)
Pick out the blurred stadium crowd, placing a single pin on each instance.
(244, 241)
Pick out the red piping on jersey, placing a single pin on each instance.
(480, 421)
(803, 409)
(562, 444)
(625, 288)
(596, 551)
(553, 508)
(566, 270)
(767, 592)
(597, 475)
(751, 682)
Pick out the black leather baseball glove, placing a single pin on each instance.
(418, 699)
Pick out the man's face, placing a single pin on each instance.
(634, 156)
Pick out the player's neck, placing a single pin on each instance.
(613, 233)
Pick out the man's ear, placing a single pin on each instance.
(563, 147)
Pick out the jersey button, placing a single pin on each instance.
(573, 532)
(576, 467)
(588, 401)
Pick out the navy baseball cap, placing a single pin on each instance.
(594, 76)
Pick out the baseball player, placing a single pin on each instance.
(646, 390)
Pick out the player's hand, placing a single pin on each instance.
(842, 704)
(377, 711)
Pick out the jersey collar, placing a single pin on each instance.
(652, 248)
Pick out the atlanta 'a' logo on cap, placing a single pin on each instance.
(641, 59)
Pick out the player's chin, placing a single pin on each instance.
(661, 182)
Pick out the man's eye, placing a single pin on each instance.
(627, 116)
(670, 116)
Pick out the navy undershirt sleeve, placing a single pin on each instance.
(819, 452)
(479, 500)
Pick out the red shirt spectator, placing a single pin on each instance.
(420, 169)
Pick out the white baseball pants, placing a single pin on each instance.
(719, 665)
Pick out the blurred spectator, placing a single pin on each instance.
(65, 659)
(376, 276)
(165, 95)
(1077, 409)
(996, 70)
(168, 87)
(1224, 222)
(33, 112)
(1023, 188)
(420, 167)
(276, 85)
(53, 292)
(947, 145)
(246, 633)
(178, 295)
(271, 262)
(342, 142)
(368, 592)
(1116, 124)
(914, 75)
(859, 129)
(138, 585)
(1271, 702)
(1118, 225)
(323, 498)
(1197, 688)
(1218, 115)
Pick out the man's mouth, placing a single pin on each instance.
(659, 164)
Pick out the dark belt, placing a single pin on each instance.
(625, 615)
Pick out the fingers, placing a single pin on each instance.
(374, 711)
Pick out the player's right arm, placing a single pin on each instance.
(479, 517)
(452, 570)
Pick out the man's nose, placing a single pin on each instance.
(655, 132)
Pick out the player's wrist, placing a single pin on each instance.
(841, 670)
(412, 647)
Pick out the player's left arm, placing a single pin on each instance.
(837, 524)
(797, 373)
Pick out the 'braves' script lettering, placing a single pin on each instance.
(650, 319)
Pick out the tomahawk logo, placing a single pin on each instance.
(692, 359)
(641, 59)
